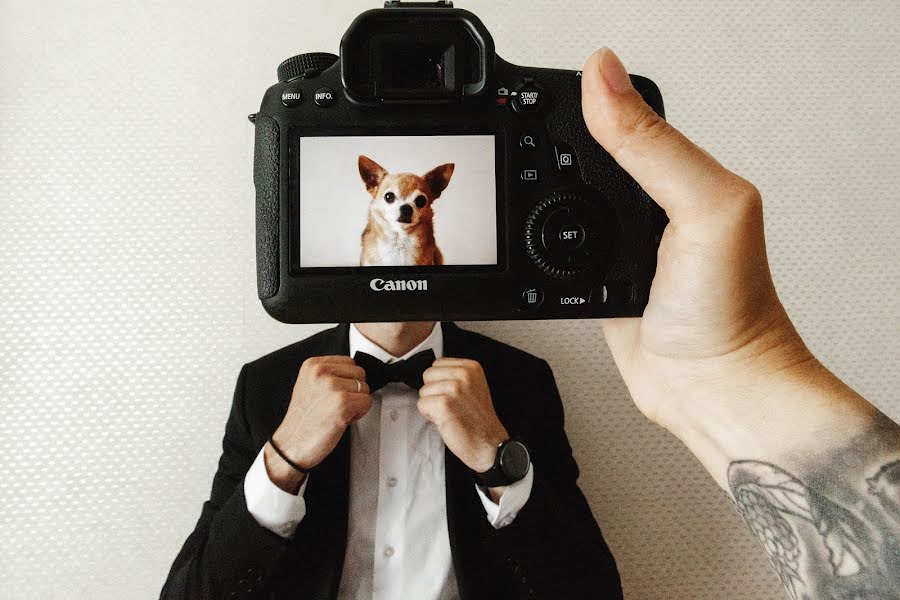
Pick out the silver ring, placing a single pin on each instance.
(358, 386)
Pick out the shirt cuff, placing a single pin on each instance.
(278, 511)
(511, 502)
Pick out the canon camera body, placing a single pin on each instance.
(419, 176)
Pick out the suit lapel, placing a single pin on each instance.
(327, 500)
(465, 514)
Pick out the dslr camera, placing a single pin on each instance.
(419, 176)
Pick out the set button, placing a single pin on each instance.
(563, 232)
(571, 235)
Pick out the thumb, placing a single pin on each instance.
(680, 176)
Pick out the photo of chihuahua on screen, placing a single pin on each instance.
(400, 228)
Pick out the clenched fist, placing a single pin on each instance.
(330, 393)
(457, 400)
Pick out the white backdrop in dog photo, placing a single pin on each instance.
(334, 202)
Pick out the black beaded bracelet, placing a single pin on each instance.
(284, 457)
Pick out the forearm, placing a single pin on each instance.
(814, 470)
(795, 414)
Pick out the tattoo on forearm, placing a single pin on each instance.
(835, 536)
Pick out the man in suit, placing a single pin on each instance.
(328, 488)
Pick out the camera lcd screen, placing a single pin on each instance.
(399, 201)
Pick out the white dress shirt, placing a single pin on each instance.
(397, 476)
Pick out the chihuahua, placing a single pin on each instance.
(400, 231)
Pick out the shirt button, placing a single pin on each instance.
(389, 551)
(395, 414)
(392, 482)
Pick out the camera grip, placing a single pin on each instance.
(266, 181)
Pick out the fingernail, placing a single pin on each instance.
(613, 71)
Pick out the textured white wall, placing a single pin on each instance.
(128, 288)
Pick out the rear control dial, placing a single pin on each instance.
(566, 235)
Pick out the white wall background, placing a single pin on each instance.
(128, 290)
(334, 202)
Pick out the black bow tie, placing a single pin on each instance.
(409, 371)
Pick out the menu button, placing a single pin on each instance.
(291, 97)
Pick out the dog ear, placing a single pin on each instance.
(371, 172)
(438, 178)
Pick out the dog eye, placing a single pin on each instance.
(389, 197)
(420, 201)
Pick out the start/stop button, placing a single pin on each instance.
(529, 98)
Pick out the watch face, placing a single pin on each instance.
(514, 460)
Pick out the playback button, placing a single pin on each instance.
(529, 175)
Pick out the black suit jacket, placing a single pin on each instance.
(553, 550)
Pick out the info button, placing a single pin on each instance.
(324, 97)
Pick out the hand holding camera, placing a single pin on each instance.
(714, 322)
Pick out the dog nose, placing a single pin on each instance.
(406, 210)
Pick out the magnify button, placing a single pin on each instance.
(528, 141)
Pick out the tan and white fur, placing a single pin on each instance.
(400, 231)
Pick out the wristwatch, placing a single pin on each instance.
(510, 466)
